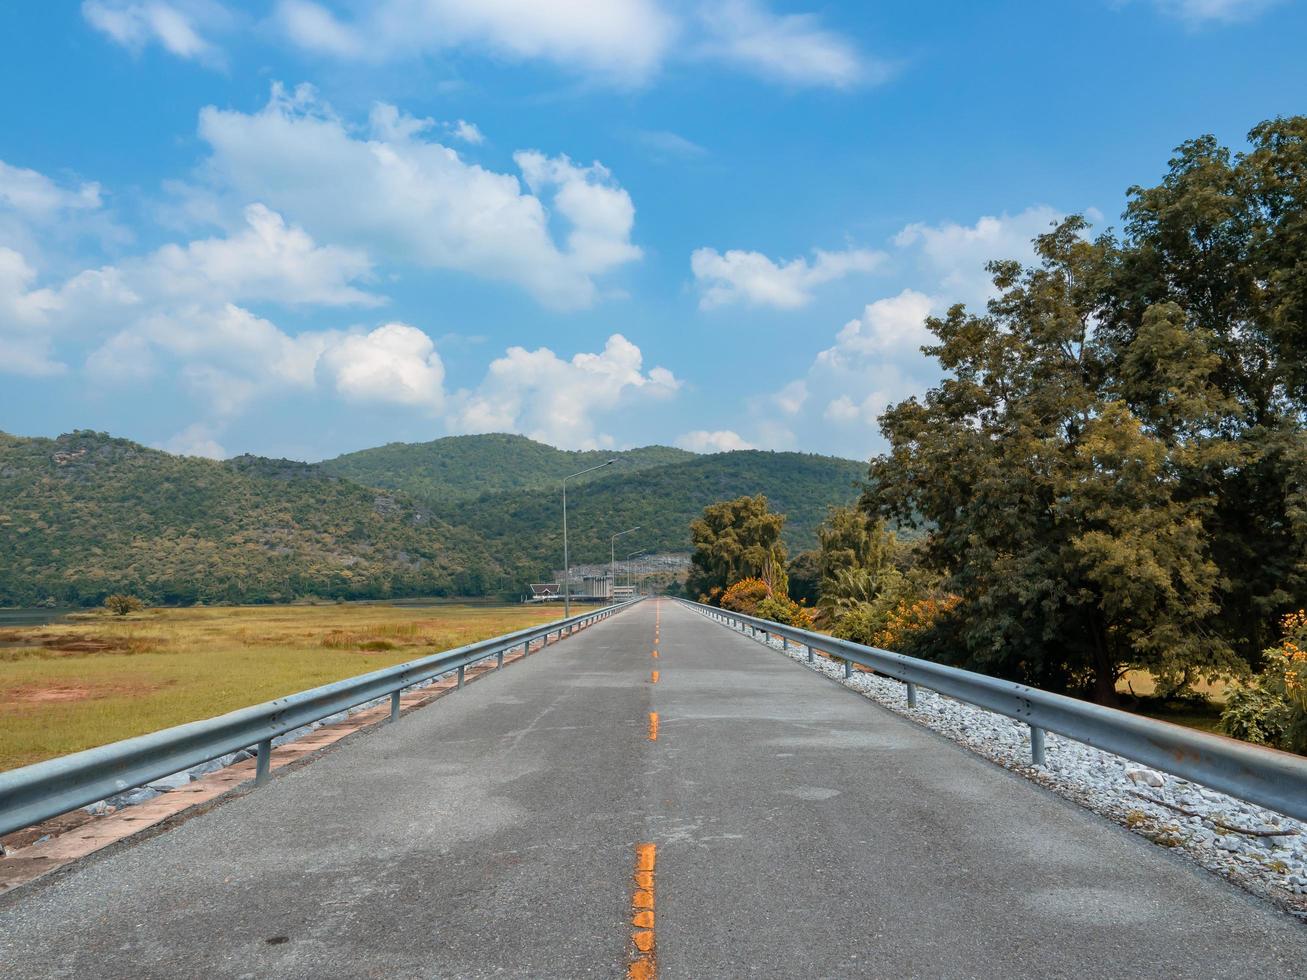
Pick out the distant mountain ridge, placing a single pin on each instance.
(464, 467)
(87, 514)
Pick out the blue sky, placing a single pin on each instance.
(300, 228)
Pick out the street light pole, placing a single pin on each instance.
(628, 563)
(567, 568)
(612, 557)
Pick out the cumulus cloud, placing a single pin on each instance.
(890, 326)
(756, 280)
(625, 39)
(394, 363)
(414, 200)
(954, 255)
(791, 48)
(720, 441)
(176, 26)
(561, 402)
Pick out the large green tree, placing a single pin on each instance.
(1214, 262)
(1113, 472)
(736, 539)
(1054, 511)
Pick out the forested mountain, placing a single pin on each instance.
(86, 514)
(462, 467)
(523, 528)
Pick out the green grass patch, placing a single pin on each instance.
(100, 678)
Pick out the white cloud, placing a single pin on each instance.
(196, 440)
(792, 397)
(416, 201)
(267, 260)
(312, 26)
(467, 132)
(894, 325)
(1220, 11)
(180, 299)
(721, 441)
(665, 144)
(753, 278)
(176, 26)
(601, 213)
(791, 48)
(624, 39)
(394, 363)
(561, 402)
(954, 255)
(36, 195)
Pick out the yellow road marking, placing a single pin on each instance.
(643, 965)
(653, 678)
(653, 726)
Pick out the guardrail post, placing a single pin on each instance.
(263, 763)
(1036, 745)
(912, 695)
(848, 668)
(499, 665)
(812, 657)
(394, 706)
(460, 676)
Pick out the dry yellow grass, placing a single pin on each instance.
(101, 678)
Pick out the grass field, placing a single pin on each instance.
(98, 678)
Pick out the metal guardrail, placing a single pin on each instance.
(1253, 773)
(37, 792)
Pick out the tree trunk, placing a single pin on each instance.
(1104, 667)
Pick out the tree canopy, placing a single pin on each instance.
(1111, 474)
(734, 540)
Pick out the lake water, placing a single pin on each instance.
(34, 617)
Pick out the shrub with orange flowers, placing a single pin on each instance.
(1272, 709)
(910, 618)
(754, 597)
(743, 596)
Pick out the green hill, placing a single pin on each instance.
(523, 528)
(463, 467)
(86, 514)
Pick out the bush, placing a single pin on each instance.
(1255, 715)
(784, 610)
(121, 605)
(1273, 708)
(745, 595)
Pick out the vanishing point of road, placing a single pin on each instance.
(656, 796)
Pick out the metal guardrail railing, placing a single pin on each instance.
(1253, 773)
(37, 792)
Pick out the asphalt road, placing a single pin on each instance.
(800, 831)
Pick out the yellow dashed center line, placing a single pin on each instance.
(653, 678)
(643, 966)
(653, 726)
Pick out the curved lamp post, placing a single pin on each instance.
(612, 557)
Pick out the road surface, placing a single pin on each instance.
(797, 830)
